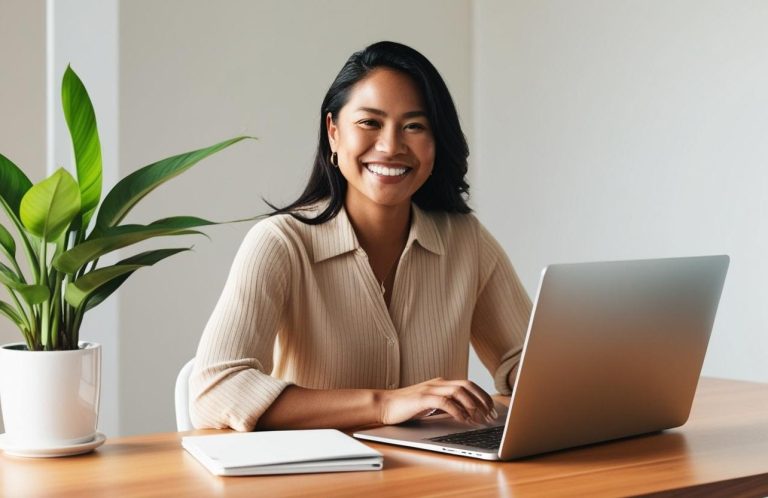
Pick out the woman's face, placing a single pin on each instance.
(383, 139)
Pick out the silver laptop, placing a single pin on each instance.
(613, 350)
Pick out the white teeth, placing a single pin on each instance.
(386, 171)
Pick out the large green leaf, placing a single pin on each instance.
(131, 189)
(7, 242)
(122, 236)
(79, 290)
(149, 258)
(185, 222)
(92, 292)
(32, 294)
(9, 311)
(13, 185)
(81, 121)
(49, 207)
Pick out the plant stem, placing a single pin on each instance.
(20, 307)
(56, 310)
(75, 331)
(64, 315)
(45, 312)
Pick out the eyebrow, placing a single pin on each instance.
(379, 112)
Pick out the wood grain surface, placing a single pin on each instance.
(721, 451)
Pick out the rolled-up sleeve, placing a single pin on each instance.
(230, 384)
(501, 314)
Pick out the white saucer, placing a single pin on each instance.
(73, 449)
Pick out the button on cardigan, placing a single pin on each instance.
(302, 306)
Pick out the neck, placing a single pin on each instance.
(380, 228)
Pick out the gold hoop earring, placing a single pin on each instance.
(335, 159)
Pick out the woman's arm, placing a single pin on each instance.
(230, 385)
(501, 314)
(301, 408)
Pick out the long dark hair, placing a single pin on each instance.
(445, 189)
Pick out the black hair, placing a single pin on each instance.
(445, 189)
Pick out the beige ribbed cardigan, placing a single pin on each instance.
(302, 305)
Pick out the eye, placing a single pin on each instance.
(368, 123)
(415, 126)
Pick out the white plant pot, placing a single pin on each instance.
(50, 399)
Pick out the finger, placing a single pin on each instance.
(484, 397)
(449, 406)
(474, 409)
(471, 404)
(476, 391)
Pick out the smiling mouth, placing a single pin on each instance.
(380, 170)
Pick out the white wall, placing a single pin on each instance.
(22, 103)
(630, 129)
(193, 73)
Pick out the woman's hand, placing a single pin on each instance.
(461, 399)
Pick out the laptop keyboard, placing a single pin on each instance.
(487, 439)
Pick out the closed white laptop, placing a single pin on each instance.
(281, 452)
(613, 349)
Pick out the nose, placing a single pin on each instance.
(390, 141)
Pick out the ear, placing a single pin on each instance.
(333, 131)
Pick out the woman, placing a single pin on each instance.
(368, 289)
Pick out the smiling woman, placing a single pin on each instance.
(356, 304)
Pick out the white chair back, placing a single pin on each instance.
(183, 420)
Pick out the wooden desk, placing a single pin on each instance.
(722, 451)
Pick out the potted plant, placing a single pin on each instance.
(50, 382)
